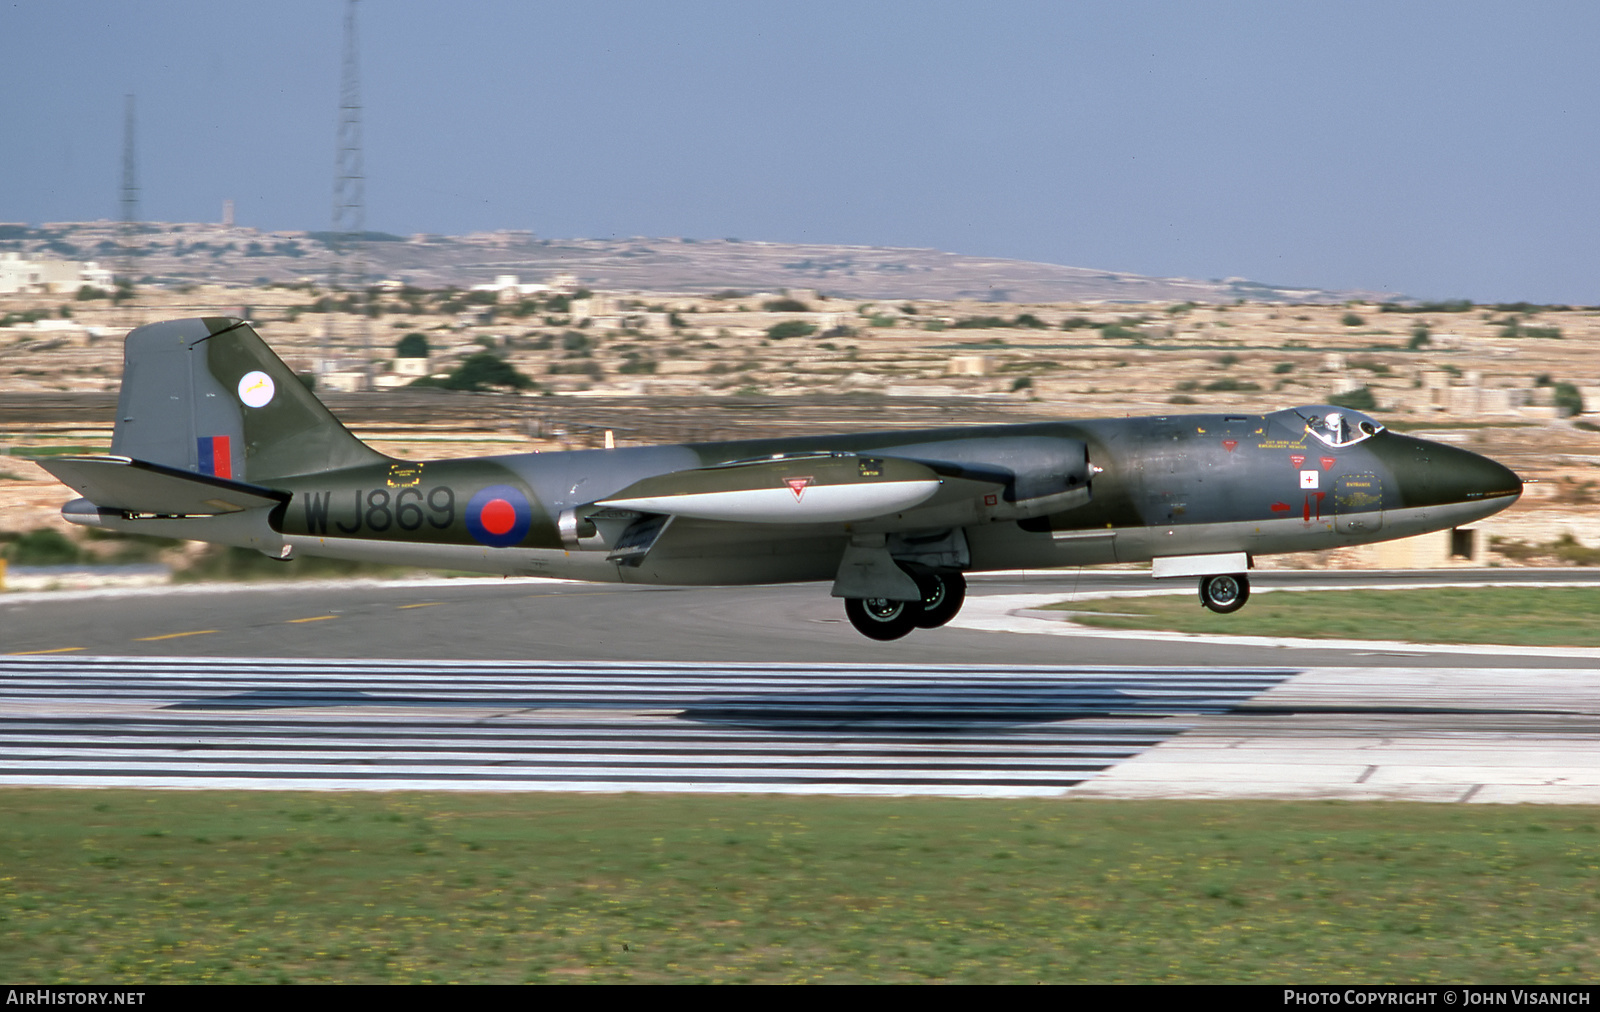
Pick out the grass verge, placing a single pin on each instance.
(121, 886)
(1515, 616)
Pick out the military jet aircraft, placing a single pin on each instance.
(216, 440)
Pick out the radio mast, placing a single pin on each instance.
(349, 199)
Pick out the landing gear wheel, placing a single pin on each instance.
(881, 619)
(1224, 594)
(942, 596)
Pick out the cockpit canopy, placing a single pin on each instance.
(1334, 426)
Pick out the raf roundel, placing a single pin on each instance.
(256, 389)
(499, 516)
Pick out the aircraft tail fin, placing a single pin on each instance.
(208, 396)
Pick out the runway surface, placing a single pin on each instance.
(760, 689)
(547, 620)
(672, 727)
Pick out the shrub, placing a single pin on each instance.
(43, 547)
(481, 372)
(1568, 399)
(785, 306)
(413, 345)
(790, 328)
(1351, 320)
(1356, 400)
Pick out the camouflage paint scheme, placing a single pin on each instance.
(216, 440)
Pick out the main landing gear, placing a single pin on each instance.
(1224, 593)
(882, 619)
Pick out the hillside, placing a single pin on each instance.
(179, 253)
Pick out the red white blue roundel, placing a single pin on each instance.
(499, 516)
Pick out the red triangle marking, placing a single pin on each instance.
(1297, 459)
(1229, 444)
(1328, 462)
(797, 485)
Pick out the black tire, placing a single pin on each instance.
(942, 596)
(881, 619)
(1226, 593)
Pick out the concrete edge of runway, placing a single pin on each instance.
(1022, 613)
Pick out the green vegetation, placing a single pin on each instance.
(1516, 328)
(481, 372)
(785, 305)
(413, 345)
(790, 328)
(1565, 549)
(1358, 400)
(1448, 306)
(1371, 365)
(1514, 616)
(41, 547)
(1569, 399)
(1351, 320)
(125, 887)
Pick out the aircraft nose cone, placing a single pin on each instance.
(1463, 476)
(1434, 474)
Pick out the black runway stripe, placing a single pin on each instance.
(402, 724)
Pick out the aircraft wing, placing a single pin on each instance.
(137, 486)
(793, 489)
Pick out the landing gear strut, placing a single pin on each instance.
(1224, 593)
(943, 592)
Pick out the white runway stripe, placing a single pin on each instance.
(461, 725)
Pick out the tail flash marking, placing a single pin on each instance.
(216, 456)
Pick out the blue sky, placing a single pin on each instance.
(1436, 149)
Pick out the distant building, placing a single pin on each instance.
(50, 276)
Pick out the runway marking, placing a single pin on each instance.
(961, 730)
(314, 618)
(425, 604)
(57, 650)
(173, 636)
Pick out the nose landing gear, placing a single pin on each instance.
(1224, 593)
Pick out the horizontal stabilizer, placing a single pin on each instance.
(137, 486)
(801, 489)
